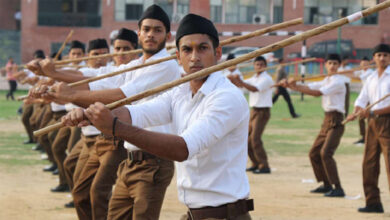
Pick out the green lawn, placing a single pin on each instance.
(283, 135)
(12, 150)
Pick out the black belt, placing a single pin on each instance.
(138, 156)
(229, 210)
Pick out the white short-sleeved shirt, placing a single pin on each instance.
(374, 89)
(333, 92)
(214, 124)
(363, 74)
(263, 97)
(227, 72)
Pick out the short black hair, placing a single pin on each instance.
(54, 55)
(260, 58)
(333, 56)
(366, 58)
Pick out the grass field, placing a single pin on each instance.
(283, 135)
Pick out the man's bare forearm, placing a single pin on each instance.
(168, 146)
(84, 98)
(306, 90)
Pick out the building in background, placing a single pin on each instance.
(45, 23)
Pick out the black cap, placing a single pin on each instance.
(54, 55)
(260, 58)
(333, 56)
(98, 43)
(77, 44)
(195, 24)
(366, 58)
(39, 54)
(230, 56)
(381, 48)
(156, 12)
(128, 35)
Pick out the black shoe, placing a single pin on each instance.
(60, 188)
(263, 170)
(50, 168)
(361, 141)
(374, 208)
(296, 116)
(55, 172)
(69, 204)
(335, 193)
(29, 142)
(321, 189)
(251, 169)
(37, 147)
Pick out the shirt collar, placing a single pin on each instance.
(210, 84)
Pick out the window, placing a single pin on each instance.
(79, 13)
(322, 12)
(246, 11)
(133, 9)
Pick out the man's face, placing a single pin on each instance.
(332, 66)
(382, 59)
(152, 36)
(96, 63)
(364, 63)
(259, 66)
(123, 46)
(196, 52)
(76, 53)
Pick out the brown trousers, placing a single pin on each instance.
(92, 189)
(75, 160)
(58, 147)
(28, 110)
(36, 117)
(362, 127)
(258, 120)
(140, 188)
(326, 143)
(46, 140)
(377, 141)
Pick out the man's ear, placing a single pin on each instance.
(168, 37)
(218, 52)
(178, 56)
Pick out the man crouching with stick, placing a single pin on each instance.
(210, 119)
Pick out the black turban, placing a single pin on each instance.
(333, 56)
(97, 44)
(39, 54)
(156, 12)
(230, 56)
(128, 35)
(381, 48)
(77, 44)
(195, 24)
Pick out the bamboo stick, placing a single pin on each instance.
(63, 45)
(368, 107)
(222, 43)
(250, 73)
(207, 71)
(136, 51)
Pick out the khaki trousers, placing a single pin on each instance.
(258, 120)
(28, 110)
(77, 156)
(74, 137)
(324, 146)
(377, 141)
(58, 147)
(92, 190)
(362, 127)
(140, 188)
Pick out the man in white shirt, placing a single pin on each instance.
(260, 100)
(363, 75)
(333, 92)
(232, 70)
(210, 119)
(94, 184)
(377, 138)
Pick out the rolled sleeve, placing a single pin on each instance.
(362, 100)
(315, 85)
(332, 88)
(223, 114)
